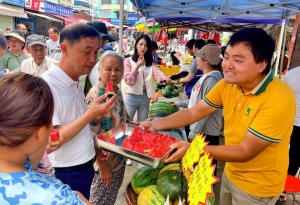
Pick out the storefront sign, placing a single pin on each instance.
(132, 18)
(115, 21)
(35, 5)
(57, 9)
(20, 3)
(65, 11)
(51, 8)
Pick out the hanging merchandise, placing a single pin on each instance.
(162, 36)
(210, 35)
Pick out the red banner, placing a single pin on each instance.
(35, 5)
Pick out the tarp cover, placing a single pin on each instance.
(224, 11)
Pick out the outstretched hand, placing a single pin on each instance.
(147, 125)
(181, 147)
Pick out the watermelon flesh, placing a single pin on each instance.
(155, 146)
(54, 137)
(109, 90)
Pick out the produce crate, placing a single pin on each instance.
(170, 70)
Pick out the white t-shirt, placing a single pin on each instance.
(69, 104)
(53, 49)
(292, 79)
(30, 67)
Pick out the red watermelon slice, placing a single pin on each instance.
(109, 90)
(54, 137)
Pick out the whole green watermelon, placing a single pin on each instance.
(169, 183)
(143, 177)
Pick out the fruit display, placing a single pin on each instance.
(144, 142)
(109, 90)
(168, 91)
(154, 185)
(54, 137)
(162, 109)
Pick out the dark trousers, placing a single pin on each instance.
(294, 152)
(79, 177)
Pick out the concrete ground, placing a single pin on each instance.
(131, 169)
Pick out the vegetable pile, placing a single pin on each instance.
(168, 91)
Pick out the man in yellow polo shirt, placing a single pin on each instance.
(259, 110)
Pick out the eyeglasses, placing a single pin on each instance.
(14, 41)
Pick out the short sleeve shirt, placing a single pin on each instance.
(193, 66)
(29, 66)
(267, 112)
(31, 187)
(69, 104)
(11, 62)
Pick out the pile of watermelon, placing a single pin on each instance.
(144, 142)
(154, 185)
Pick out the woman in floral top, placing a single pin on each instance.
(108, 180)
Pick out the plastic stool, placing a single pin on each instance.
(292, 186)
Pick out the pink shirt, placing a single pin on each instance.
(131, 76)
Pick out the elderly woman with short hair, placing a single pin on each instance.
(108, 180)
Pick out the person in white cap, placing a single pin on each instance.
(14, 56)
(39, 62)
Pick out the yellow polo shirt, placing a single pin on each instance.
(267, 112)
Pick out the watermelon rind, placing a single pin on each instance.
(150, 196)
(55, 143)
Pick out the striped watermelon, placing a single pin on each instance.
(144, 177)
(150, 196)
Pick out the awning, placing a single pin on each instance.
(14, 11)
(44, 16)
(68, 20)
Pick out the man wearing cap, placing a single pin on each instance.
(101, 28)
(15, 56)
(39, 62)
(259, 111)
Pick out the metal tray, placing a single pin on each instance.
(120, 133)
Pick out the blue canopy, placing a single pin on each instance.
(218, 11)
